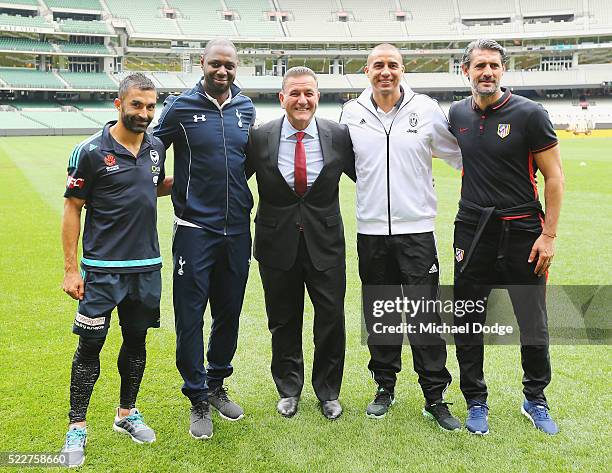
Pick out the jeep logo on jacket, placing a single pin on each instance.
(395, 192)
(210, 188)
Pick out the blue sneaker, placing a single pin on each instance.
(477, 421)
(74, 447)
(539, 417)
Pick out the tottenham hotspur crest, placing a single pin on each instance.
(503, 130)
(181, 262)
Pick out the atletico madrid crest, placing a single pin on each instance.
(459, 255)
(503, 130)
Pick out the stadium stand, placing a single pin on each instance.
(371, 22)
(60, 120)
(546, 6)
(29, 79)
(24, 21)
(601, 14)
(15, 121)
(168, 80)
(474, 8)
(253, 19)
(145, 17)
(22, 2)
(84, 48)
(22, 44)
(78, 26)
(89, 80)
(75, 4)
(202, 19)
(319, 20)
(422, 22)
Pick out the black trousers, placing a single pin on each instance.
(411, 260)
(284, 296)
(502, 260)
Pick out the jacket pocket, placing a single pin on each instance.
(266, 222)
(333, 220)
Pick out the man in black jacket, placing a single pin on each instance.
(299, 239)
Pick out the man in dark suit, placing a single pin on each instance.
(299, 239)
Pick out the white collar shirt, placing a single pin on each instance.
(312, 147)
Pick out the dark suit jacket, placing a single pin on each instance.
(281, 213)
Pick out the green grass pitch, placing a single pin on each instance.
(36, 348)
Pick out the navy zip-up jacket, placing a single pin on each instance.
(210, 187)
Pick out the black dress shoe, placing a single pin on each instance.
(331, 409)
(287, 406)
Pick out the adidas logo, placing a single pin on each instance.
(362, 122)
(433, 269)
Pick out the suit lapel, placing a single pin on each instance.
(325, 138)
(274, 140)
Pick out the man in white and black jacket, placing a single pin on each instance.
(395, 134)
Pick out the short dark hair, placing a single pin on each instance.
(218, 42)
(483, 43)
(136, 80)
(299, 71)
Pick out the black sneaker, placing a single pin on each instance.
(438, 412)
(201, 427)
(383, 400)
(227, 408)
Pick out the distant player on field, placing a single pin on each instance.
(501, 235)
(117, 174)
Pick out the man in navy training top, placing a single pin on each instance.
(117, 174)
(209, 128)
(501, 234)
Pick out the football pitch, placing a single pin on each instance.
(36, 349)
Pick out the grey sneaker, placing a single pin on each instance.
(134, 426)
(201, 427)
(383, 400)
(74, 447)
(227, 408)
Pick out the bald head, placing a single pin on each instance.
(385, 48)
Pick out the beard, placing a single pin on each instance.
(485, 92)
(214, 89)
(134, 123)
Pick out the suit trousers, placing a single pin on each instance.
(409, 259)
(284, 296)
(527, 294)
(207, 266)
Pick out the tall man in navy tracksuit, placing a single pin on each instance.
(209, 127)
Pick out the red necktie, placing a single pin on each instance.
(301, 182)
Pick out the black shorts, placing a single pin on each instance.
(136, 296)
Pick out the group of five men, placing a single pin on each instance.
(385, 142)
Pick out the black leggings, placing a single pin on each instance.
(86, 370)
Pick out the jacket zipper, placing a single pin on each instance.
(388, 133)
(226, 176)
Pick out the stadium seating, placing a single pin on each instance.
(61, 119)
(317, 20)
(77, 26)
(202, 19)
(254, 21)
(23, 44)
(24, 21)
(145, 16)
(371, 22)
(475, 8)
(601, 14)
(30, 79)
(22, 2)
(423, 23)
(83, 48)
(89, 80)
(102, 117)
(168, 80)
(75, 4)
(16, 121)
(546, 6)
